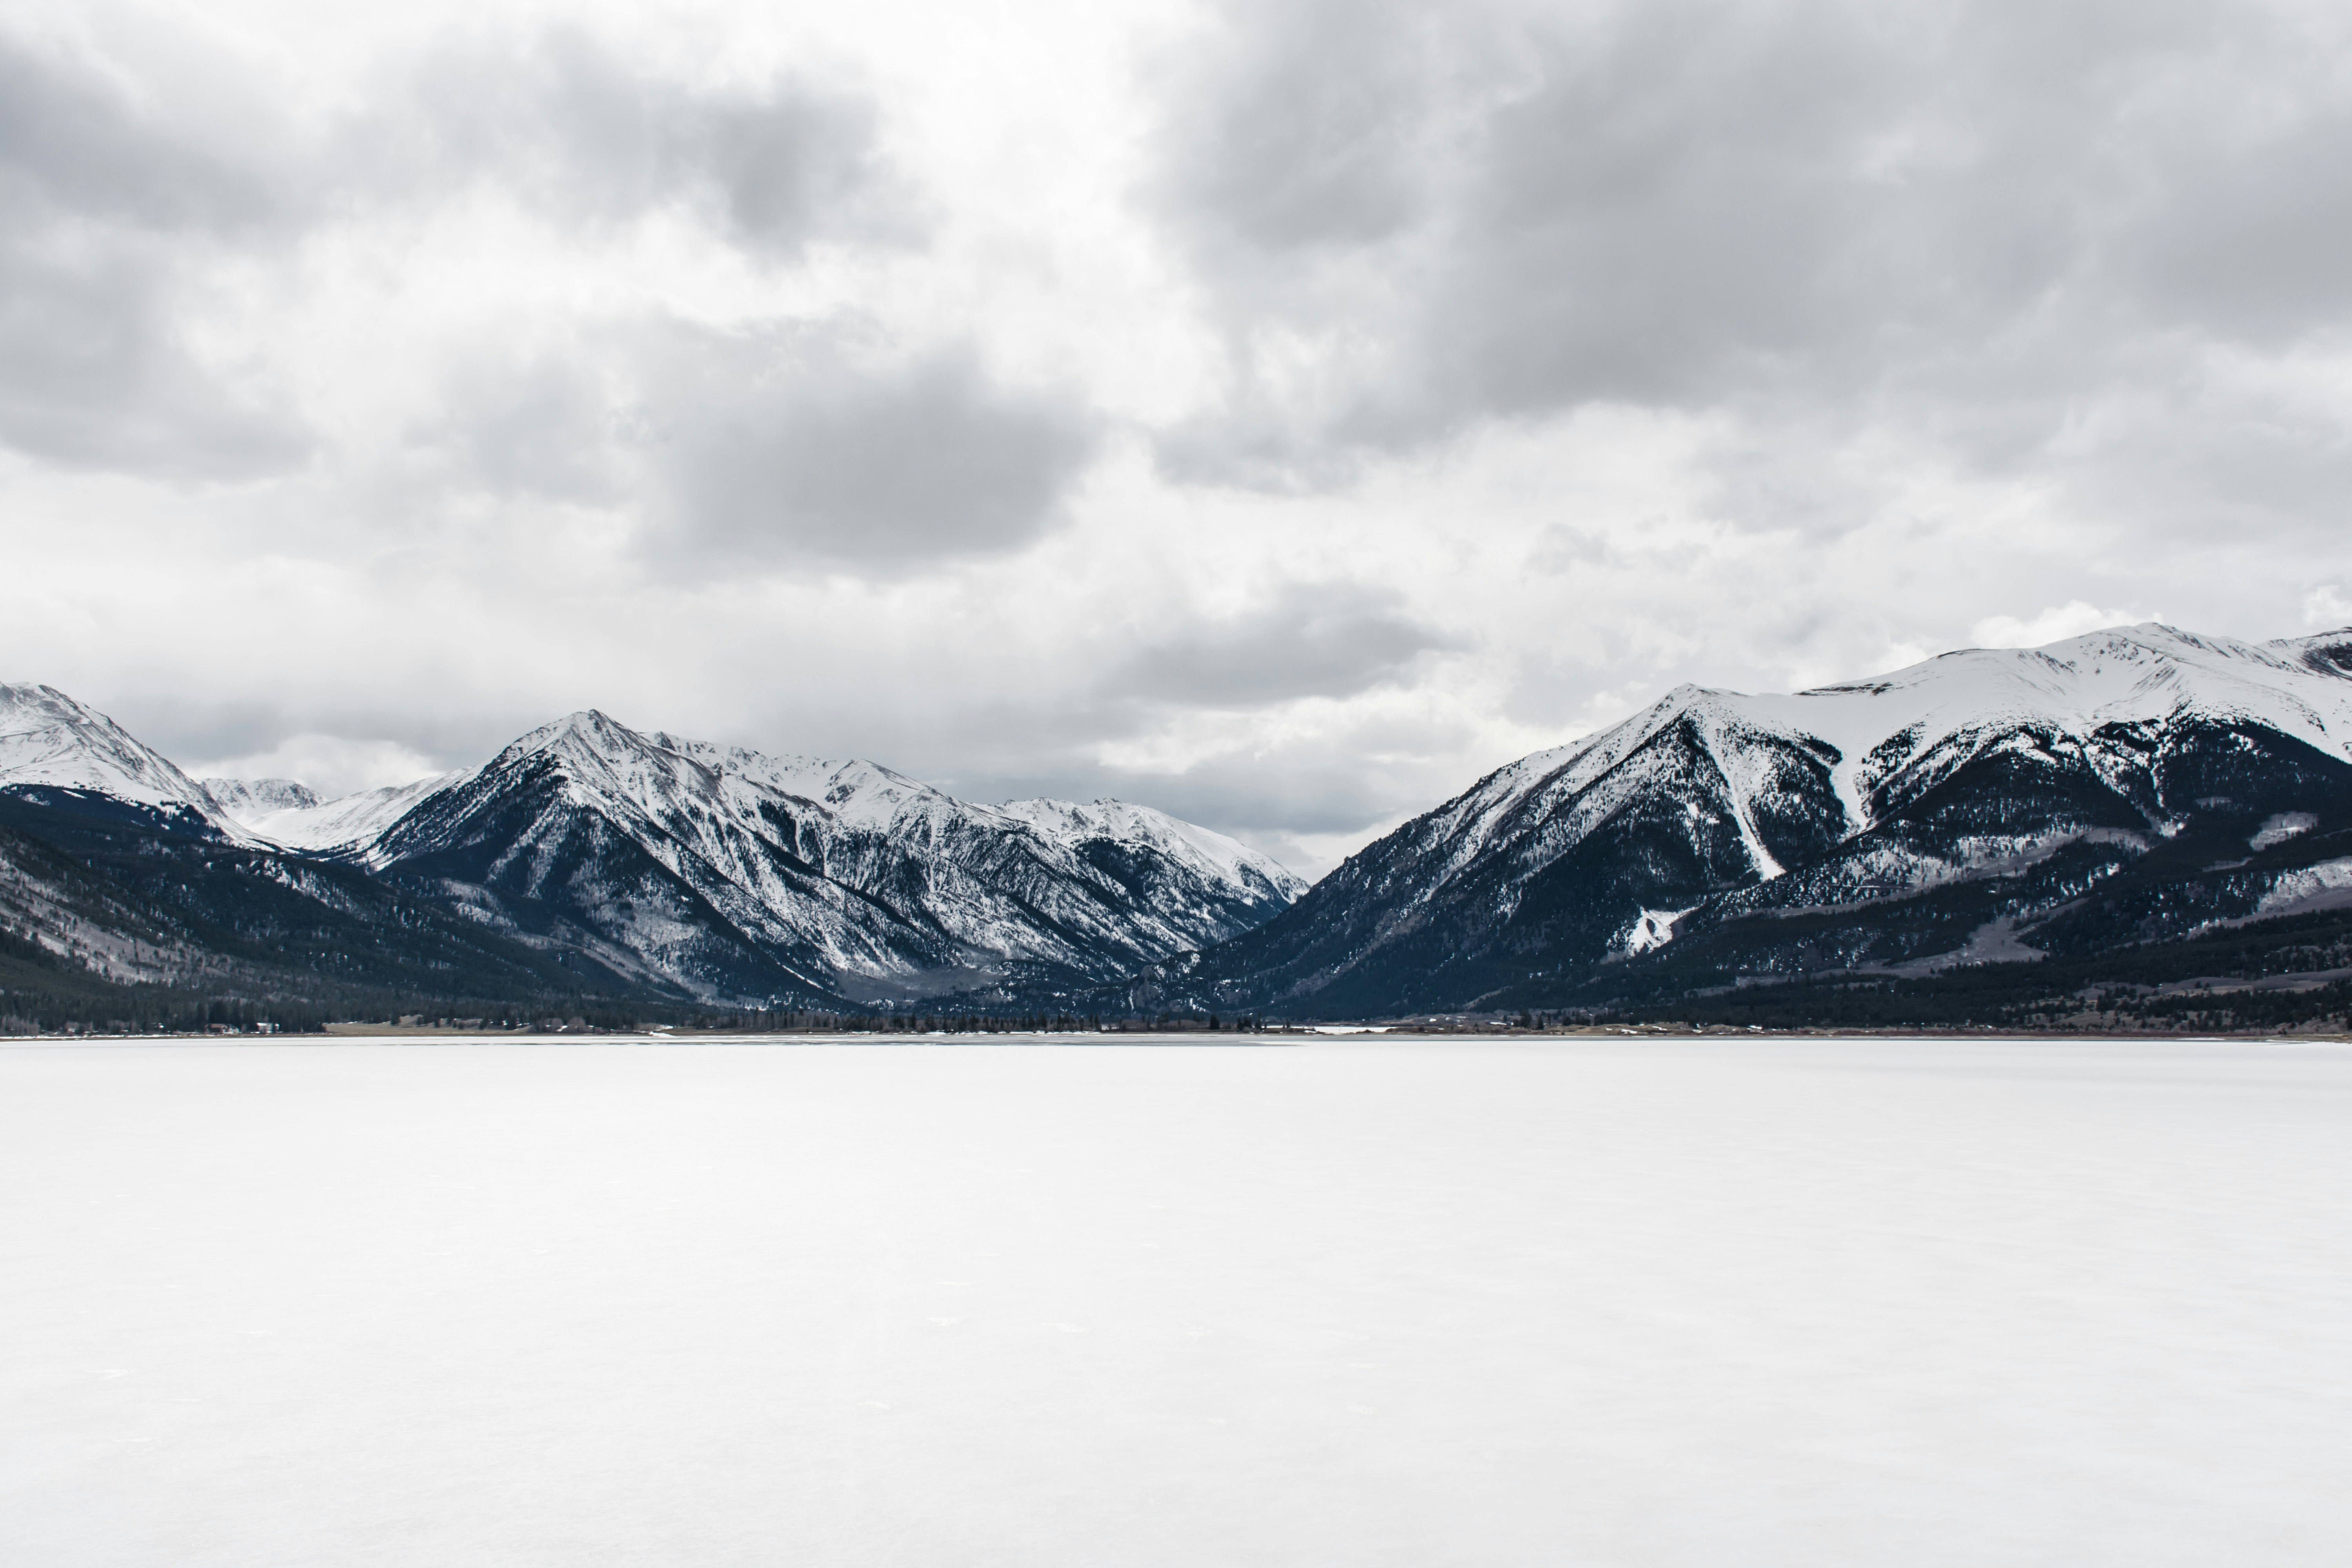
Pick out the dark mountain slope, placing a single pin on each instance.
(94, 899)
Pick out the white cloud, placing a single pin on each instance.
(2052, 624)
(331, 765)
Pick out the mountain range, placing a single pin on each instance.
(643, 864)
(2098, 796)
(2124, 814)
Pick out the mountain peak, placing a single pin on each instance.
(587, 733)
(592, 722)
(248, 799)
(52, 745)
(1107, 818)
(1936, 780)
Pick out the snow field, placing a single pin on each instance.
(1365, 1302)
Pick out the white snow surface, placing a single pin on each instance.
(350, 822)
(2280, 827)
(1650, 930)
(1386, 1303)
(48, 739)
(2308, 886)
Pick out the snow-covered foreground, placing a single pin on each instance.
(1360, 1302)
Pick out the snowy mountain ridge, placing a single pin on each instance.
(346, 825)
(847, 875)
(721, 871)
(248, 799)
(52, 745)
(1884, 739)
(1711, 805)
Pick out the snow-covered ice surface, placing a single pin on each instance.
(1360, 1302)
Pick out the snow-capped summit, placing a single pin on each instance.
(1727, 802)
(56, 750)
(1892, 736)
(722, 865)
(245, 799)
(1138, 829)
(723, 871)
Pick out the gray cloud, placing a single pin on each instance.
(74, 140)
(1316, 130)
(1972, 218)
(94, 374)
(102, 204)
(2262, 247)
(191, 729)
(1292, 795)
(768, 446)
(1330, 641)
(567, 123)
(535, 423)
(121, 191)
(790, 444)
(1873, 323)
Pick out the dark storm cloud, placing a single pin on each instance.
(798, 446)
(1700, 204)
(1312, 642)
(566, 121)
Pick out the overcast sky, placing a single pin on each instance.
(1279, 414)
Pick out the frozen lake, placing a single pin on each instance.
(1370, 1302)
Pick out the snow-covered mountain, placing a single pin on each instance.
(1714, 806)
(54, 750)
(678, 866)
(248, 799)
(286, 813)
(2145, 791)
(730, 869)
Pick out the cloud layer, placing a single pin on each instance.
(1280, 414)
